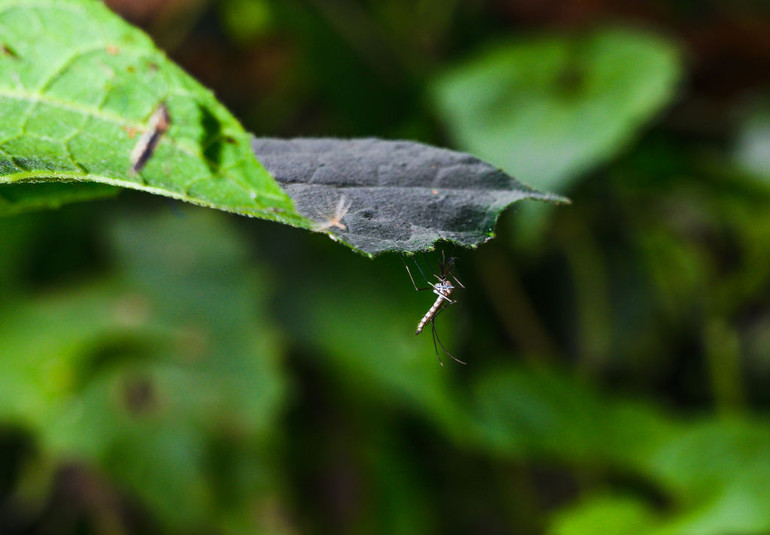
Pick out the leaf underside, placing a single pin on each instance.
(402, 195)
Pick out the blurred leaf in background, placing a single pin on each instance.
(148, 373)
(753, 144)
(551, 108)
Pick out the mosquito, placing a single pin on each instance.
(443, 289)
(159, 123)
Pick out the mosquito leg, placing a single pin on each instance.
(412, 278)
(460, 284)
(416, 263)
(433, 327)
(437, 339)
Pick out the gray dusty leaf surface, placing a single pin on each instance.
(377, 195)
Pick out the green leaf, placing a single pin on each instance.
(730, 445)
(551, 108)
(398, 195)
(77, 88)
(605, 515)
(543, 414)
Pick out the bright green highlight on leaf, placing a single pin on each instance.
(546, 109)
(77, 87)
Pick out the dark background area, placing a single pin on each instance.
(170, 369)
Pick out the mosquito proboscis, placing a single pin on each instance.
(443, 288)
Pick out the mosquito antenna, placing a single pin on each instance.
(450, 272)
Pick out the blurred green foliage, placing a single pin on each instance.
(549, 108)
(167, 369)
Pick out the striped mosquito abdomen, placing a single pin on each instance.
(444, 291)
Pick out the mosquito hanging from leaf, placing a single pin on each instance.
(444, 290)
